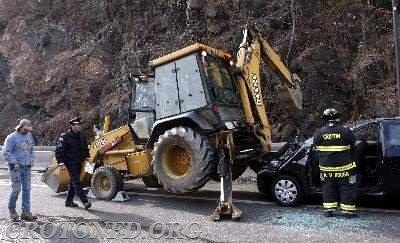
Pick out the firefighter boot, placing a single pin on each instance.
(349, 214)
(329, 213)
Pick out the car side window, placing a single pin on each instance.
(392, 137)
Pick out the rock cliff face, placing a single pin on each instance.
(61, 58)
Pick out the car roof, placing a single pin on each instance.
(359, 124)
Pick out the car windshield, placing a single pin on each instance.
(220, 81)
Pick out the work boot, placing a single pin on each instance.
(71, 205)
(87, 205)
(328, 213)
(14, 215)
(28, 216)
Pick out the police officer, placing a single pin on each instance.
(71, 152)
(334, 144)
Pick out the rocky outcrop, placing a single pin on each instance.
(59, 59)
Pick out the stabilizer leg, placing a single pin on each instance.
(225, 206)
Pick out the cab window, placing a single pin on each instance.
(143, 100)
(220, 81)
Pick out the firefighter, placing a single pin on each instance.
(334, 144)
(71, 152)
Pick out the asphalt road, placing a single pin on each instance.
(262, 219)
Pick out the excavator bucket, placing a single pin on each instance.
(58, 178)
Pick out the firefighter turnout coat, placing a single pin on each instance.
(334, 144)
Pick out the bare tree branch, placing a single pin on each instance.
(292, 10)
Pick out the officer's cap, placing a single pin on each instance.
(75, 121)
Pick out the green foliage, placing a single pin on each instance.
(382, 3)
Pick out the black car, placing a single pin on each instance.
(293, 173)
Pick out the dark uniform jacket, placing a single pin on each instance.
(334, 145)
(72, 148)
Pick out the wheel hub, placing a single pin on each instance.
(104, 183)
(285, 191)
(176, 161)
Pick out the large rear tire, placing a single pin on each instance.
(182, 160)
(106, 182)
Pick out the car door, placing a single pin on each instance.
(391, 147)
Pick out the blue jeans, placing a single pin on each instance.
(20, 178)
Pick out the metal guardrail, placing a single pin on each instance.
(43, 157)
(40, 148)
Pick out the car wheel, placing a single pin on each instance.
(286, 191)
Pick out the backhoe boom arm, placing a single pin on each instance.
(252, 50)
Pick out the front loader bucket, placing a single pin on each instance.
(57, 178)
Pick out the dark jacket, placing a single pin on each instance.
(334, 145)
(72, 148)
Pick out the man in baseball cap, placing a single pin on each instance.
(18, 152)
(25, 124)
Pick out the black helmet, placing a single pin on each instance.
(331, 114)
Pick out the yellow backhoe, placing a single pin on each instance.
(201, 115)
